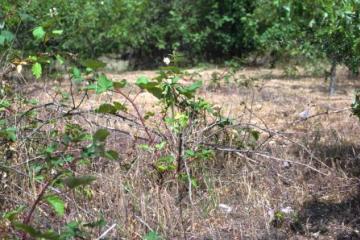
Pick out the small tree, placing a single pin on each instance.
(312, 28)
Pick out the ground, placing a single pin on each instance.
(301, 184)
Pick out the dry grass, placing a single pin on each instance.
(311, 166)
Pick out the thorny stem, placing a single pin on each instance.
(142, 120)
(37, 201)
(179, 166)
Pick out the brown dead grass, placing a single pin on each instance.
(326, 206)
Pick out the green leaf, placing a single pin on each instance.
(11, 215)
(101, 135)
(73, 182)
(6, 37)
(57, 203)
(149, 115)
(93, 64)
(152, 87)
(9, 134)
(189, 91)
(152, 236)
(39, 33)
(57, 32)
(120, 107)
(100, 223)
(103, 84)
(255, 134)
(142, 81)
(165, 163)
(121, 84)
(106, 108)
(112, 155)
(51, 235)
(60, 59)
(2, 40)
(9, 36)
(26, 228)
(76, 74)
(37, 70)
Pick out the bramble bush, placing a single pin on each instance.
(53, 154)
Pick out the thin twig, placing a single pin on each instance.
(106, 232)
(138, 113)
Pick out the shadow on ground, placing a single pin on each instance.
(334, 219)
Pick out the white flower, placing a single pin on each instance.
(102, 2)
(53, 12)
(225, 208)
(19, 68)
(166, 60)
(305, 114)
(286, 210)
(271, 213)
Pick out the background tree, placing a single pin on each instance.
(319, 28)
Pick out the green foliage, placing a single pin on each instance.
(50, 235)
(39, 33)
(6, 37)
(144, 29)
(73, 182)
(102, 85)
(37, 70)
(152, 236)
(166, 163)
(309, 29)
(356, 104)
(57, 203)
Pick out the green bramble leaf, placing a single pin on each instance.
(37, 70)
(6, 37)
(152, 236)
(142, 81)
(93, 64)
(39, 33)
(112, 155)
(11, 215)
(60, 59)
(73, 182)
(99, 223)
(2, 40)
(166, 163)
(119, 106)
(106, 108)
(152, 87)
(50, 235)
(26, 228)
(189, 91)
(255, 134)
(8, 133)
(103, 84)
(57, 203)
(57, 32)
(121, 84)
(101, 135)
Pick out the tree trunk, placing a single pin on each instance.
(332, 86)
